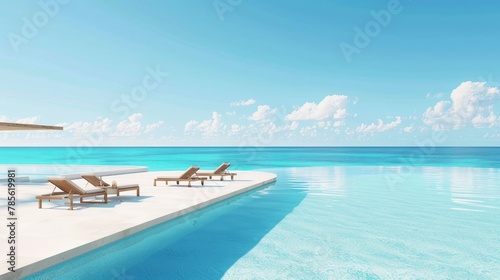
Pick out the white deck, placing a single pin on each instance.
(48, 236)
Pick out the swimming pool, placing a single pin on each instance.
(332, 222)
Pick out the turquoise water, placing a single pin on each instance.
(334, 213)
(157, 158)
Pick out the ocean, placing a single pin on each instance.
(247, 158)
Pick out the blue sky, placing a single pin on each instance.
(239, 72)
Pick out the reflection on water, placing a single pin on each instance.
(469, 189)
(474, 189)
(353, 224)
(320, 181)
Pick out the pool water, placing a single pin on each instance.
(330, 222)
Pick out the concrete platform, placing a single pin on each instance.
(48, 236)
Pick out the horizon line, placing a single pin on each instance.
(275, 146)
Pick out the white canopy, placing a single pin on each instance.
(20, 126)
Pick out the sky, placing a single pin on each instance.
(251, 73)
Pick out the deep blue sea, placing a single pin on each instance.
(334, 213)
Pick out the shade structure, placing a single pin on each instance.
(20, 126)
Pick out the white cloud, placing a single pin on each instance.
(262, 133)
(338, 123)
(231, 113)
(263, 111)
(153, 126)
(244, 102)
(471, 104)
(491, 135)
(268, 128)
(378, 127)
(481, 121)
(332, 106)
(408, 129)
(436, 95)
(129, 127)
(340, 114)
(190, 125)
(235, 128)
(100, 125)
(63, 124)
(207, 127)
(26, 120)
(104, 127)
(293, 126)
(309, 131)
(214, 125)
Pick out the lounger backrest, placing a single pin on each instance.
(222, 168)
(190, 172)
(94, 180)
(66, 186)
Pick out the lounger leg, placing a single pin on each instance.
(70, 203)
(177, 182)
(232, 177)
(222, 178)
(202, 182)
(117, 192)
(40, 204)
(137, 191)
(154, 183)
(106, 196)
(189, 183)
(210, 177)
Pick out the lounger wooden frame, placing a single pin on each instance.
(97, 182)
(188, 176)
(71, 191)
(220, 171)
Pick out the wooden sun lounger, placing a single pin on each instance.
(188, 176)
(220, 171)
(97, 182)
(70, 191)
